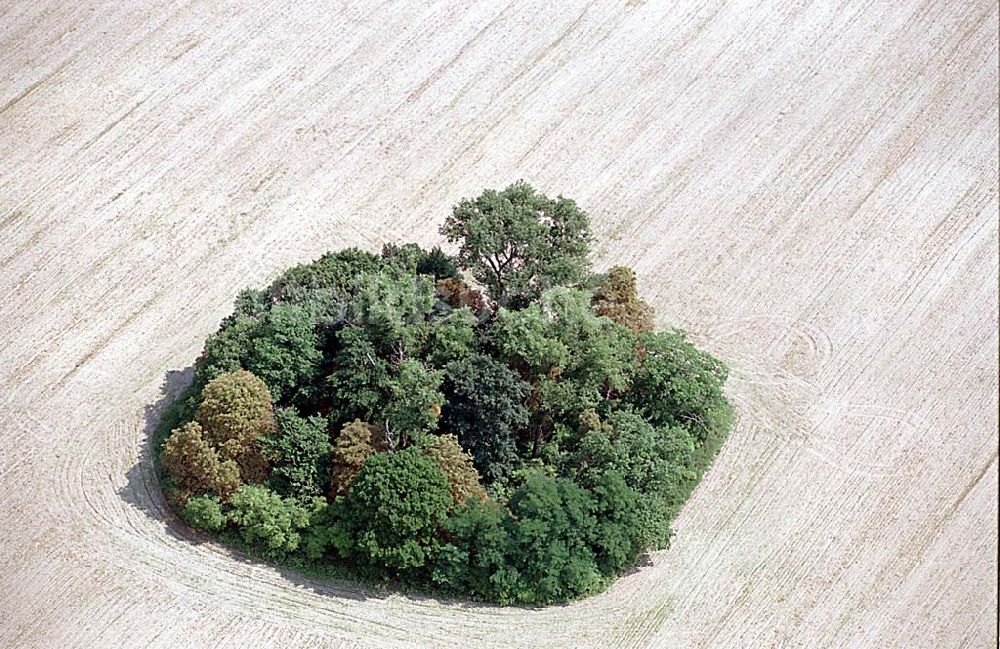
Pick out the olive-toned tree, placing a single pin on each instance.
(236, 415)
(456, 464)
(357, 440)
(618, 298)
(195, 467)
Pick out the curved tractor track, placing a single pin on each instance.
(811, 192)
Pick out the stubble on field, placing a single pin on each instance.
(811, 193)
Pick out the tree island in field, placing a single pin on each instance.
(503, 424)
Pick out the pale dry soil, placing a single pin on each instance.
(810, 190)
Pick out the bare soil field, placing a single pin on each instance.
(810, 190)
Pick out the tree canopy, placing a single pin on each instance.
(518, 242)
(501, 423)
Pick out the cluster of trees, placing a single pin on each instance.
(503, 423)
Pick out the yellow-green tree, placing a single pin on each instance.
(357, 440)
(617, 298)
(456, 464)
(236, 414)
(195, 467)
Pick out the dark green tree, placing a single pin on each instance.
(485, 408)
(300, 453)
(474, 558)
(550, 532)
(414, 259)
(393, 511)
(618, 536)
(657, 463)
(279, 345)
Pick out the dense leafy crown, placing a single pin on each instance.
(503, 424)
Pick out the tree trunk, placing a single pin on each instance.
(537, 448)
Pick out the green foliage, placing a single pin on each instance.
(300, 452)
(649, 459)
(558, 541)
(393, 511)
(360, 377)
(414, 402)
(518, 242)
(224, 349)
(561, 338)
(677, 384)
(575, 359)
(619, 534)
(204, 513)
(267, 522)
(452, 337)
(392, 307)
(522, 448)
(474, 557)
(415, 259)
(523, 340)
(284, 350)
(324, 531)
(657, 463)
(485, 409)
(549, 543)
(333, 273)
(280, 346)
(601, 353)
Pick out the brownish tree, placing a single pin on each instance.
(357, 441)
(456, 464)
(618, 299)
(196, 467)
(236, 415)
(458, 294)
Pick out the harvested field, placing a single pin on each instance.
(812, 192)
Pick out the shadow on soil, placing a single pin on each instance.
(142, 492)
